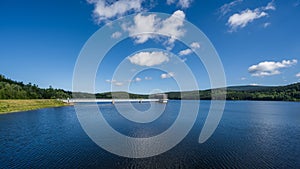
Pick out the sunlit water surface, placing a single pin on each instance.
(251, 134)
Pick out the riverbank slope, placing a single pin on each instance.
(15, 105)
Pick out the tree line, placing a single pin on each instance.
(278, 93)
(10, 89)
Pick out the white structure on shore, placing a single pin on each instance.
(113, 101)
(161, 98)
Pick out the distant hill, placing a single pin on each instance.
(279, 93)
(249, 88)
(10, 89)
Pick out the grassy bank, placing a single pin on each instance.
(9, 106)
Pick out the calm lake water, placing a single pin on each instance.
(251, 134)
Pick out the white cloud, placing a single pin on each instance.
(116, 35)
(267, 24)
(270, 6)
(167, 75)
(298, 74)
(148, 78)
(114, 82)
(240, 20)
(269, 68)
(149, 58)
(121, 83)
(118, 84)
(138, 79)
(194, 46)
(142, 27)
(185, 3)
(226, 8)
(254, 84)
(169, 2)
(243, 18)
(107, 10)
(147, 27)
(172, 26)
(180, 3)
(243, 78)
(185, 52)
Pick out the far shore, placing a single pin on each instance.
(22, 105)
(16, 105)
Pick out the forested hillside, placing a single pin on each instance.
(10, 89)
(278, 93)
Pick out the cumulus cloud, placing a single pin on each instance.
(269, 68)
(167, 75)
(185, 3)
(138, 79)
(107, 10)
(298, 74)
(226, 8)
(180, 3)
(245, 17)
(240, 20)
(194, 46)
(148, 78)
(185, 52)
(149, 58)
(142, 27)
(172, 26)
(115, 82)
(116, 35)
(147, 27)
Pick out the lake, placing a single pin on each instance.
(251, 134)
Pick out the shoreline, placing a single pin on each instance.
(22, 105)
(15, 105)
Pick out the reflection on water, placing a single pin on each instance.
(250, 135)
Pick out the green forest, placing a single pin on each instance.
(278, 93)
(10, 89)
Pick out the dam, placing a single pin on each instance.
(161, 98)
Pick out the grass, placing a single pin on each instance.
(9, 106)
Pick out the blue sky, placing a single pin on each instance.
(258, 41)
